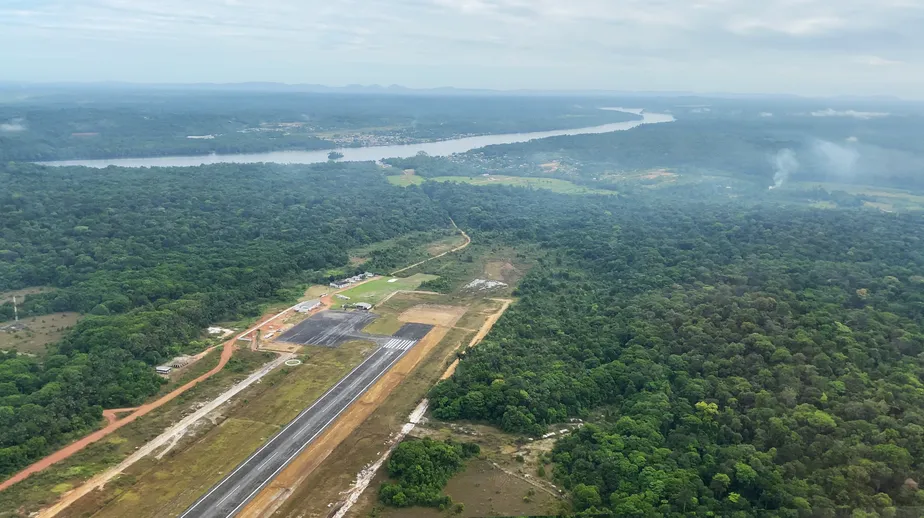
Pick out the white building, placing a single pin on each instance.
(308, 306)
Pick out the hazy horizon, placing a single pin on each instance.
(801, 47)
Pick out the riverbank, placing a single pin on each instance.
(372, 153)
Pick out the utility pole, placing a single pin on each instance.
(15, 310)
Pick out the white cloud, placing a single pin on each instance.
(13, 126)
(848, 113)
(876, 61)
(776, 45)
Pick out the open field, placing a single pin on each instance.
(7, 296)
(47, 485)
(40, 331)
(482, 262)
(552, 184)
(417, 244)
(234, 491)
(316, 291)
(374, 291)
(483, 489)
(170, 485)
(884, 198)
(323, 486)
(406, 180)
(353, 416)
(445, 244)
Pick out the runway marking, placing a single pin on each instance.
(398, 344)
(319, 432)
(278, 434)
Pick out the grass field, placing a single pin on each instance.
(374, 291)
(40, 332)
(45, 487)
(406, 180)
(884, 198)
(166, 487)
(422, 244)
(7, 296)
(552, 184)
(445, 244)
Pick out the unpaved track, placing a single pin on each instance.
(172, 435)
(67, 451)
(467, 242)
(485, 329)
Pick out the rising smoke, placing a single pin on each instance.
(820, 158)
(785, 164)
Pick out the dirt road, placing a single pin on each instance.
(485, 328)
(115, 424)
(172, 434)
(467, 242)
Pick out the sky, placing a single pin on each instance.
(808, 47)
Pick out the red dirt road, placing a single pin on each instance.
(115, 423)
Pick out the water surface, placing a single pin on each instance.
(371, 153)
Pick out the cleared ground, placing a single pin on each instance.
(552, 184)
(322, 488)
(375, 291)
(300, 475)
(330, 329)
(483, 490)
(166, 487)
(434, 314)
(7, 296)
(48, 485)
(231, 494)
(40, 331)
(883, 198)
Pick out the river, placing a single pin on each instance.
(372, 153)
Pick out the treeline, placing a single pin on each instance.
(421, 468)
(828, 149)
(738, 361)
(125, 122)
(156, 255)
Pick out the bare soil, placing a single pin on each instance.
(283, 486)
(432, 314)
(40, 331)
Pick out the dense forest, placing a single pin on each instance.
(155, 255)
(127, 122)
(735, 361)
(728, 358)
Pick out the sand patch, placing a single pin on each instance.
(433, 314)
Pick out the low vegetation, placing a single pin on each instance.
(421, 468)
(551, 184)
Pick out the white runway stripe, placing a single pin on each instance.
(399, 344)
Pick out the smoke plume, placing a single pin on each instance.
(785, 163)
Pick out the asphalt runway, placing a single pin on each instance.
(230, 495)
(413, 331)
(332, 328)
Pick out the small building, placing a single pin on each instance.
(342, 297)
(163, 370)
(308, 306)
(368, 275)
(181, 361)
(364, 306)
